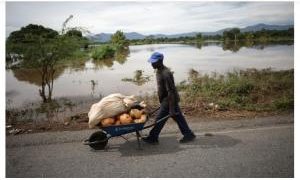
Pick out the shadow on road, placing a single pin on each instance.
(215, 141)
(169, 145)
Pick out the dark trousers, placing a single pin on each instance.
(179, 118)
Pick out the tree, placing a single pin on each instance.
(231, 34)
(227, 35)
(78, 37)
(41, 48)
(149, 39)
(74, 33)
(199, 37)
(290, 33)
(119, 40)
(235, 32)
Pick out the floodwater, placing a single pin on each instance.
(103, 78)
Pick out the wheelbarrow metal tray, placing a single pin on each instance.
(118, 130)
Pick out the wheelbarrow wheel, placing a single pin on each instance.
(100, 140)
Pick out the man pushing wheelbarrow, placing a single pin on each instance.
(169, 99)
(118, 114)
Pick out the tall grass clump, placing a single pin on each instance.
(103, 52)
(251, 89)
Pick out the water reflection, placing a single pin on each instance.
(43, 79)
(100, 64)
(236, 46)
(33, 76)
(120, 57)
(228, 45)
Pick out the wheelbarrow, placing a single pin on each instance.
(98, 140)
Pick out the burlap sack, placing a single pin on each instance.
(109, 106)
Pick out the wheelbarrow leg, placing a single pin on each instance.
(138, 136)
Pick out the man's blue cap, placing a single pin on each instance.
(155, 57)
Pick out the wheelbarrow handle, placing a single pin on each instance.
(157, 121)
(151, 113)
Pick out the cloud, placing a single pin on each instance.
(148, 17)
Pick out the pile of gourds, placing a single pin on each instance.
(133, 116)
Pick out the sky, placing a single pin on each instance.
(148, 17)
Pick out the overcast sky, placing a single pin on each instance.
(148, 17)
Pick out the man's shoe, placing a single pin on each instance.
(150, 140)
(188, 138)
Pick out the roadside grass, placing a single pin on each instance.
(251, 89)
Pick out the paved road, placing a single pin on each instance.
(253, 151)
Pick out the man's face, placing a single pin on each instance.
(156, 64)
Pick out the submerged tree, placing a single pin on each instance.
(41, 48)
(119, 40)
(232, 34)
(199, 37)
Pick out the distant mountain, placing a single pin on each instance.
(134, 35)
(259, 27)
(104, 37)
(256, 27)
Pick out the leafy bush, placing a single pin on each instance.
(103, 52)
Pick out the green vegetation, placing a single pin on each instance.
(152, 40)
(41, 48)
(117, 48)
(254, 90)
(103, 52)
(264, 35)
(231, 35)
(119, 40)
(199, 37)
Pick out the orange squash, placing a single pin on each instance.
(135, 113)
(125, 118)
(142, 119)
(107, 122)
(118, 122)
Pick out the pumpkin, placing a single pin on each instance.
(107, 122)
(135, 113)
(142, 119)
(118, 122)
(125, 118)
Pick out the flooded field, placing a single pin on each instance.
(95, 79)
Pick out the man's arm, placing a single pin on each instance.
(170, 86)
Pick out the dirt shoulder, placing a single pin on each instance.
(198, 125)
(80, 121)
